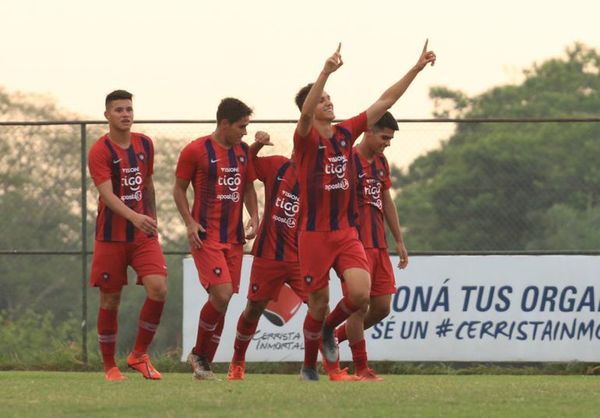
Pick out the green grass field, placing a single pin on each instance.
(44, 394)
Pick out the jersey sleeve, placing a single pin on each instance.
(150, 157)
(99, 164)
(186, 165)
(302, 142)
(356, 125)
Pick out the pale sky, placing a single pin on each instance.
(180, 57)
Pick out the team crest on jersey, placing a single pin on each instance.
(308, 280)
(242, 159)
(141, 156)
(343, 143)
(254, 287)
(105, 276)
(217, 271)
(381, 173)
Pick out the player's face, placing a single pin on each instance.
(120, 114)
(234, 132)
(324, 110)
(379, 140)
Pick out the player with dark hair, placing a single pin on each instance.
(121, 164)
(221, 172)
(328, 236)
(375, 203)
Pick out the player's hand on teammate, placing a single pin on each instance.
(403, 254)
(426, 57)
(334, 62)
(251, 228)
(263, 138)
(193, 234)
(145, 223)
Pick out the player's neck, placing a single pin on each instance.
(119, 137)
(365, 151)
(220, 139)
(324, 127)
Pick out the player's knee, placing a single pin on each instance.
(360, 299)
(379, 313)
(253, 312)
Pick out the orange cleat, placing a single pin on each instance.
(368, 375)
(236, 370)
(142, 364)
(114, 374)
(339, 375)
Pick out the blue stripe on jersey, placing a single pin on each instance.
(147, 149)
(360, 183)
(313, 188)
(116, 186)
(129, 229)
(240, 229)
(279, 245)
(347, 136)
(269, 209)
(333, 202)
(374, 212)
(211, 186)
(226, 203)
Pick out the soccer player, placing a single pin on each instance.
(328, 237)
(275, 249)
(221, 172)
(121, 164)
(374, 204)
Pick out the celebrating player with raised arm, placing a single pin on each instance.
(121, 164)
(328, 236)
(221, 172)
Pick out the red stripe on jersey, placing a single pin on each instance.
(219, 176)
(127, 169)
(326, 176)
(277, 237)
(373, 178)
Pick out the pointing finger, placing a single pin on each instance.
(425, 46)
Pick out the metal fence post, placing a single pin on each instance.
(84, 273)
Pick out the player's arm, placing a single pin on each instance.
(251, 203)
(391, 217)
(181, 201)
(150, 197)
(392, 94)
(261, 139)
(314, 95)
(139, 220)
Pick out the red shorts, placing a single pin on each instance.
(110, 261)
(219, 263)
(383, 281)
(319, 251)
(268, 276)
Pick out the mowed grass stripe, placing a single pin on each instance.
(45, 394)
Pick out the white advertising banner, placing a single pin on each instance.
(446, 308)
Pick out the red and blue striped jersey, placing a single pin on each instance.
(326, 176)
(219, 176)
(372, 179)
(128, 170)
(277, 237)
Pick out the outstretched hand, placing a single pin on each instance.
(334, 62)
(426, 57)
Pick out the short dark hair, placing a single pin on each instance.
(117, 95)
(301, 95)
(386, 121)
(232, 109)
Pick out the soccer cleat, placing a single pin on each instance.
(114, 374)
(200, 367)
(236, 370)
(309, 373)
(339, 375)
(368, 375)
(142, 364)
(330, 346)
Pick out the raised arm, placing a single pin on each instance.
(260, 140)
(392, 94)
(145, 223)
(314, 95)
(390, 213)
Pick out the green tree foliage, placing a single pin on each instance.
(512, 186)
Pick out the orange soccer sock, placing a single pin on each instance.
(149, 320)
(359, 356)
(245, 332)
(207, 324)
(107, 336)
(342, 311)
(312, 340)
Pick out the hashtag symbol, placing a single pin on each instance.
(445, 327)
